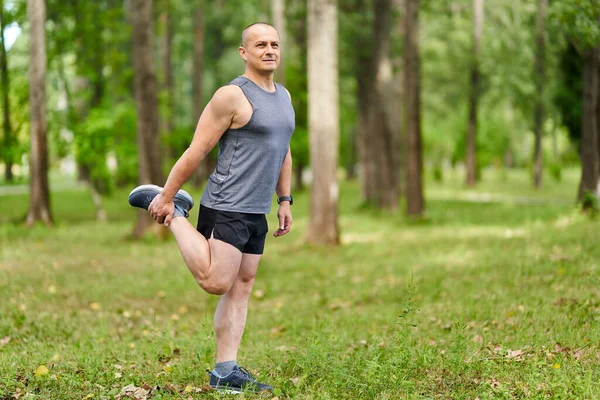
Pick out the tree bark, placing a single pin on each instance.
(169, 76)
(146, 103)
(471, 153)
(589, 133)
(39, 201)
(415, 204)
(208, 163)
(5, 84)
(278, 11)
(538, 158)
(386, 135)
(378, 133)
(323, 117)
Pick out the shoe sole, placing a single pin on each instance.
(226, 390)
(230, 390)
(153, 189)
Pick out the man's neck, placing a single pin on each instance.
(262, 81)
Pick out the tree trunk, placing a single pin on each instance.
(539, 83)
(589, 134)
(385, 134)
(39, 201)
(169, 77)
(323, 117)
(278, 11)
(598, 117)
(208, 163)
(415, 204)
(471, 161)
(146, 103)
(378, 135)
(4, 83)
(397, 96)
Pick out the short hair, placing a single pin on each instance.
(246, 29)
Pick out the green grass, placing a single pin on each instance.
(494, 295)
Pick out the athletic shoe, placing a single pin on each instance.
(143, 195)
(237, 381)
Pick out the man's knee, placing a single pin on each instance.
(213, 286)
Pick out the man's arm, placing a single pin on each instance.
(284, 188)
(214, 121)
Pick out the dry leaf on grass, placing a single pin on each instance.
(133, 392)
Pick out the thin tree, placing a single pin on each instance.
(208, 163)
(149, 160)
(471, 153)
(379, 137)
(278, 12)
(168, 123)
(5, 85)
(589, 129)
(539, 83)
(415, 204)
(39, 199)
(323, 117)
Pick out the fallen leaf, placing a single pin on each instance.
(133, 392)
(5, 341)
(41, 371)
(259, 294)
(478, 339)
(277, 330)
(55, 357)
(188, 389)
(95, 306)
(118, 375)
(516, 354)
(182, 310)
(89, 396)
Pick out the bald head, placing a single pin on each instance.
(255, 28)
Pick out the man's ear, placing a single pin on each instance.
(242, 52)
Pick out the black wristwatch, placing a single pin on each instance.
(285, 198)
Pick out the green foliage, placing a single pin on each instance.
(109, 130)
(580, 19)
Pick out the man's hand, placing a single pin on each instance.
(285, 219)
(162, 209)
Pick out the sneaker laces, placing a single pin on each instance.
(247, 373)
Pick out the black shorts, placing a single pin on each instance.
(246, 232)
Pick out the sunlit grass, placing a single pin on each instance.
(488, 299)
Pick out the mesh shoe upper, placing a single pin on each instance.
(240, 379)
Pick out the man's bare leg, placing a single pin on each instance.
(213, 263)
(230, 316)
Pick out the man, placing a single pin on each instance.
(252, 118)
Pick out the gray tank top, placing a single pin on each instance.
(250, 158)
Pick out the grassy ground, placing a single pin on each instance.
(494, 295)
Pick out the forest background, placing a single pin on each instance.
(465, 126)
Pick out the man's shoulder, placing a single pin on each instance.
(228, 95)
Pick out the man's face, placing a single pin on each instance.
(261, 48)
